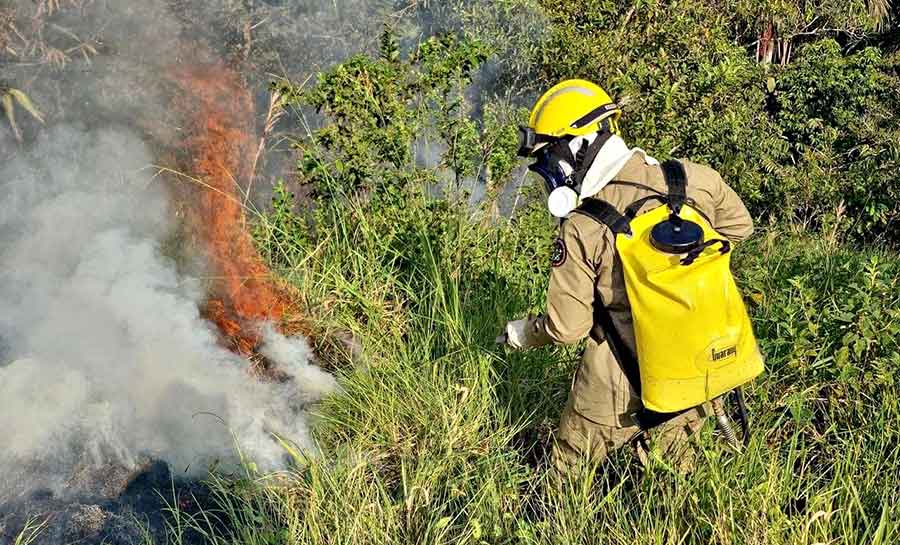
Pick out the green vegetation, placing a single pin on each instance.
(440, 436)
(814, 141)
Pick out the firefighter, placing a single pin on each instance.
(573, 136)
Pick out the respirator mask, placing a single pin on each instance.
(556, 165)
(561, 162)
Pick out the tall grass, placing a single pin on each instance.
(439, 436)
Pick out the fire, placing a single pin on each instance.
(218, 148)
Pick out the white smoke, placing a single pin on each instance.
(104, 358)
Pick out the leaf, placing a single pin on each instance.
(770, 84)
(11, 115)
(26, 103)
(442, 523)
(476, 530)
(842, 357)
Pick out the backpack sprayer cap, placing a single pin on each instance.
(676, 236)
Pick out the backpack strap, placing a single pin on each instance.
(606, 214)
(676, 181)
(605, 329)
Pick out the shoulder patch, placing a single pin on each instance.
(558, 253)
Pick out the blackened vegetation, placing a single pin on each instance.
(119, 507)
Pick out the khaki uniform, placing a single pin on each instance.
(596, 419)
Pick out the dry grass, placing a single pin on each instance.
(880, 12)
(6, 19)
(31, 37)
(9, 98)
(275, 112)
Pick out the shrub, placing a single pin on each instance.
(839, 115)
(812, 142)
(829, 323)
(378, 108)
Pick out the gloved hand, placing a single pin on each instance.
(524, 333)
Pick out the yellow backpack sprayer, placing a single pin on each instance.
(694, 339)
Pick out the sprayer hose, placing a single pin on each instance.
(724, 424)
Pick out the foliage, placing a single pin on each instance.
(688, 90)
(812, 142)
(828, 321)
(380, 108)
(839, 115)
(512, 29)
(282, 232)
(440, 436)
(852, 19)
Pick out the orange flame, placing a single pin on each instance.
(219, 144)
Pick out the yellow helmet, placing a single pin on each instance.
(574, 107)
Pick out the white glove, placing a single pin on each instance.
(517, 333)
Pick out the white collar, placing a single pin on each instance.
(611, 159)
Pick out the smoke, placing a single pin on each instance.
(107, 358)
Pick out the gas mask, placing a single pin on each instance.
(556, 165)
(562, 163)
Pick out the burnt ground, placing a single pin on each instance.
(120, 508)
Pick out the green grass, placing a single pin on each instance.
(439, 436)
(33, 529)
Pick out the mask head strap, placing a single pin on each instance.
(591, 153)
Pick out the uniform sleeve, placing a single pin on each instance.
(732, 218)
(570, 296)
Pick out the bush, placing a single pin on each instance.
(829, 324)
(813, 142)
(439, 436)
(384, 117)
(377, 111)
(839, 115)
